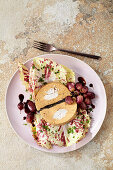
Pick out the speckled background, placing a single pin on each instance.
(82, 25)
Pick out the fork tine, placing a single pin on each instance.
(40, 48)
(38, 45)
(41, 43)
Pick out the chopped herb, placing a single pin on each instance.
(73, 136)
(87, 121)
(74, 127)
(45, 127)
(25, 124)
(43, 67)
(38, 69)
(40, 79)
(30, 97)
(59, 77)
(41, 131)
(34, 132)
(57, 72)
(90, 109)
(33, 67)
(83, 126)
(52, 68)
(43, 75)
(81, 122)
(48, 129)
(26, 90)
(70, 130)
(55, 130)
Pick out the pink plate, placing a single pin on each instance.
(81, 69)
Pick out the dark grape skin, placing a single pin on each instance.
(31, 106)
(30, 118)
(76, 92)
(91, 95)
(82, 80)
(90, 85)
(69, 100)
(78, 86)
(21, 97)
(26, 109)
(84, 89)
(79, 99)
(87, 101)
(20, 106)
(71, 86)
(83, 106)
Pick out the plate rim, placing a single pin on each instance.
(47, 55)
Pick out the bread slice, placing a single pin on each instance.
(59, 114)
(51, 93)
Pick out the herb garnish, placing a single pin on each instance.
(25, 124)
(81, 122)
(30, 97)
(33, 67)
(45, 127)
(87, 121)
(40, 79)
(70, 130)
(83, 126)
(43, 75)
(57, 72)
(90, 109)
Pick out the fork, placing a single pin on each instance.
(49, 48)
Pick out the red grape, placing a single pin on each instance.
(91, 95)
(30, 118)
(85, 95)
(93, 106)
(78, 86)
(20, 106)
(82, 80)
(83, 106)
(87, 101)
(31, 106)
(76, 92)
(84, 89)
(79, 99)
(71, 86)
(26, 109)
(69, 100)
(21, 97)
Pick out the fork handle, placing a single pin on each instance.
(82, 54)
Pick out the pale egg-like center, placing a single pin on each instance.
(52, 93)
(60, 114)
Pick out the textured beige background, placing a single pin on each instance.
(83, 25)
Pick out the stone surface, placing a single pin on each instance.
(82, 25)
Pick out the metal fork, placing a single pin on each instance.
(49, 48)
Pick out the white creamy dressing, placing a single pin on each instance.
(60, 114)
(52, 77)
(52, 93)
